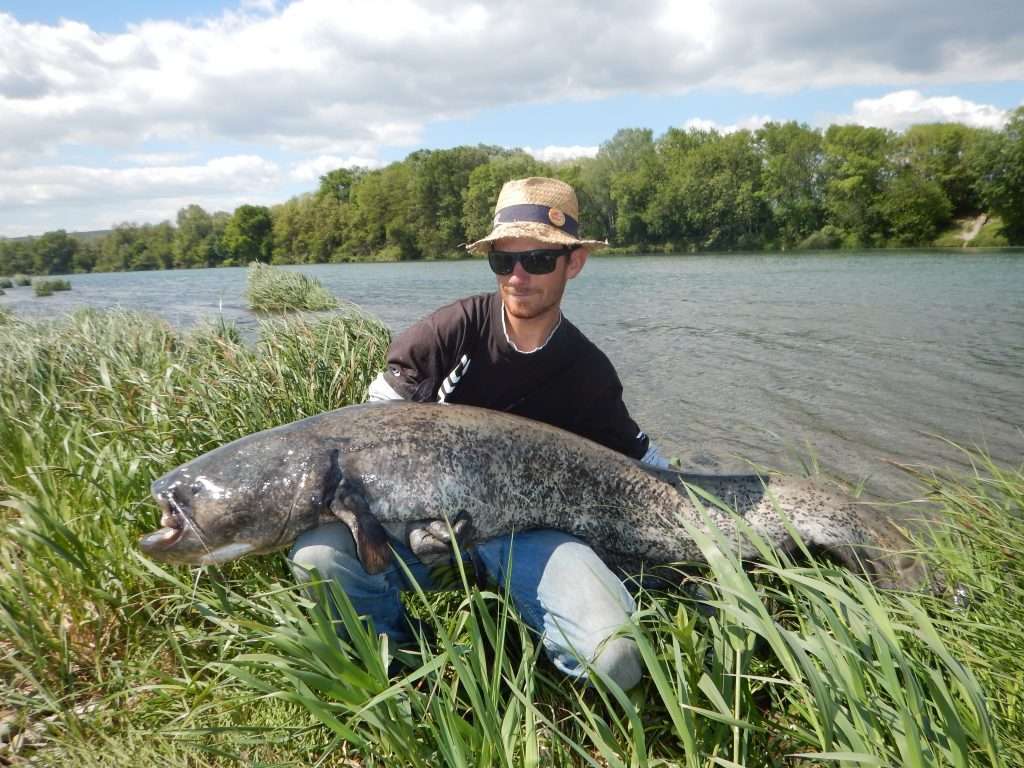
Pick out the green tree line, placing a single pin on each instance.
(782, 186)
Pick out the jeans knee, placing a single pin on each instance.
(612, 658)
(619, 660)
(328, 550)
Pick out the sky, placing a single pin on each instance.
(126, 112)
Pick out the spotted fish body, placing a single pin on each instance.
(401, 470)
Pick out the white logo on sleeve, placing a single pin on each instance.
(452, 379)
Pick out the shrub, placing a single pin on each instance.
(949, 239)
(270, 289)
(5, 282)
(825, 238)
(22, 280)
(391, 252)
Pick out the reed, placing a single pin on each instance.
(977, 539)
(91, 410)
(107, 658)
(270, 289)
(47, 286)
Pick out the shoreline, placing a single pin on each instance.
(609, 252)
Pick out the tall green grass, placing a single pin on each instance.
(797, 664)
(978, 540)
(109, 658)
(271, 289)
(91, 410)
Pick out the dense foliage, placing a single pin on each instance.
(784, 185)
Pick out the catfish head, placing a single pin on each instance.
(251, 496)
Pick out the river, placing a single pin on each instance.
(850, 361)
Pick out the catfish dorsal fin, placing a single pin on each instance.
(371, 539)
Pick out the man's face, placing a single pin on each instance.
(527, 296)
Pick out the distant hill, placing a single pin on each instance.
(85, 237)
(88, 237)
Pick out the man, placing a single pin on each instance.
(513, 351)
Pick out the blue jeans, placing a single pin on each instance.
(558, 584)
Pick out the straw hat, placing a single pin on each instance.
(540, 208)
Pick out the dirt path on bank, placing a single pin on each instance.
(969, 233)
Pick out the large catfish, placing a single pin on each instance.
(415, 472)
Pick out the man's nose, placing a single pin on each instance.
(518, 273)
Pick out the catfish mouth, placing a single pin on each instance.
(173, 521)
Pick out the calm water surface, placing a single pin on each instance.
(853, 360)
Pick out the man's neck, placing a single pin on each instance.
(530, 334)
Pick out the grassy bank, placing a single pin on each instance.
(108, 659)
(959, 235)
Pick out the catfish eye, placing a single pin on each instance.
(196, 487)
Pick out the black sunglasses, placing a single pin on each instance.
(540, 261)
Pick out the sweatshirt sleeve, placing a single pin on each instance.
(614, 427)
(421, 357)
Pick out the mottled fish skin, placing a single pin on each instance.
(401, 465)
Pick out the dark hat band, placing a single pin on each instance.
(539, 214)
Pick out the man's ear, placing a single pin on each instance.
(576, 261)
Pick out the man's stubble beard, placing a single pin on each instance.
(531, 313)
(553, 303)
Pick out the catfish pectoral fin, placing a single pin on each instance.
(371, 539)
(902, 571)
(428, 548)
(431, 540)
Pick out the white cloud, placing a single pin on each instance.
(901, 109)
(751, 123)
(264, 6)
(48, 184)
(346, 78)
(555, 154)
(312, 170)
(101, 197)
(156, 158)
(694, 23)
